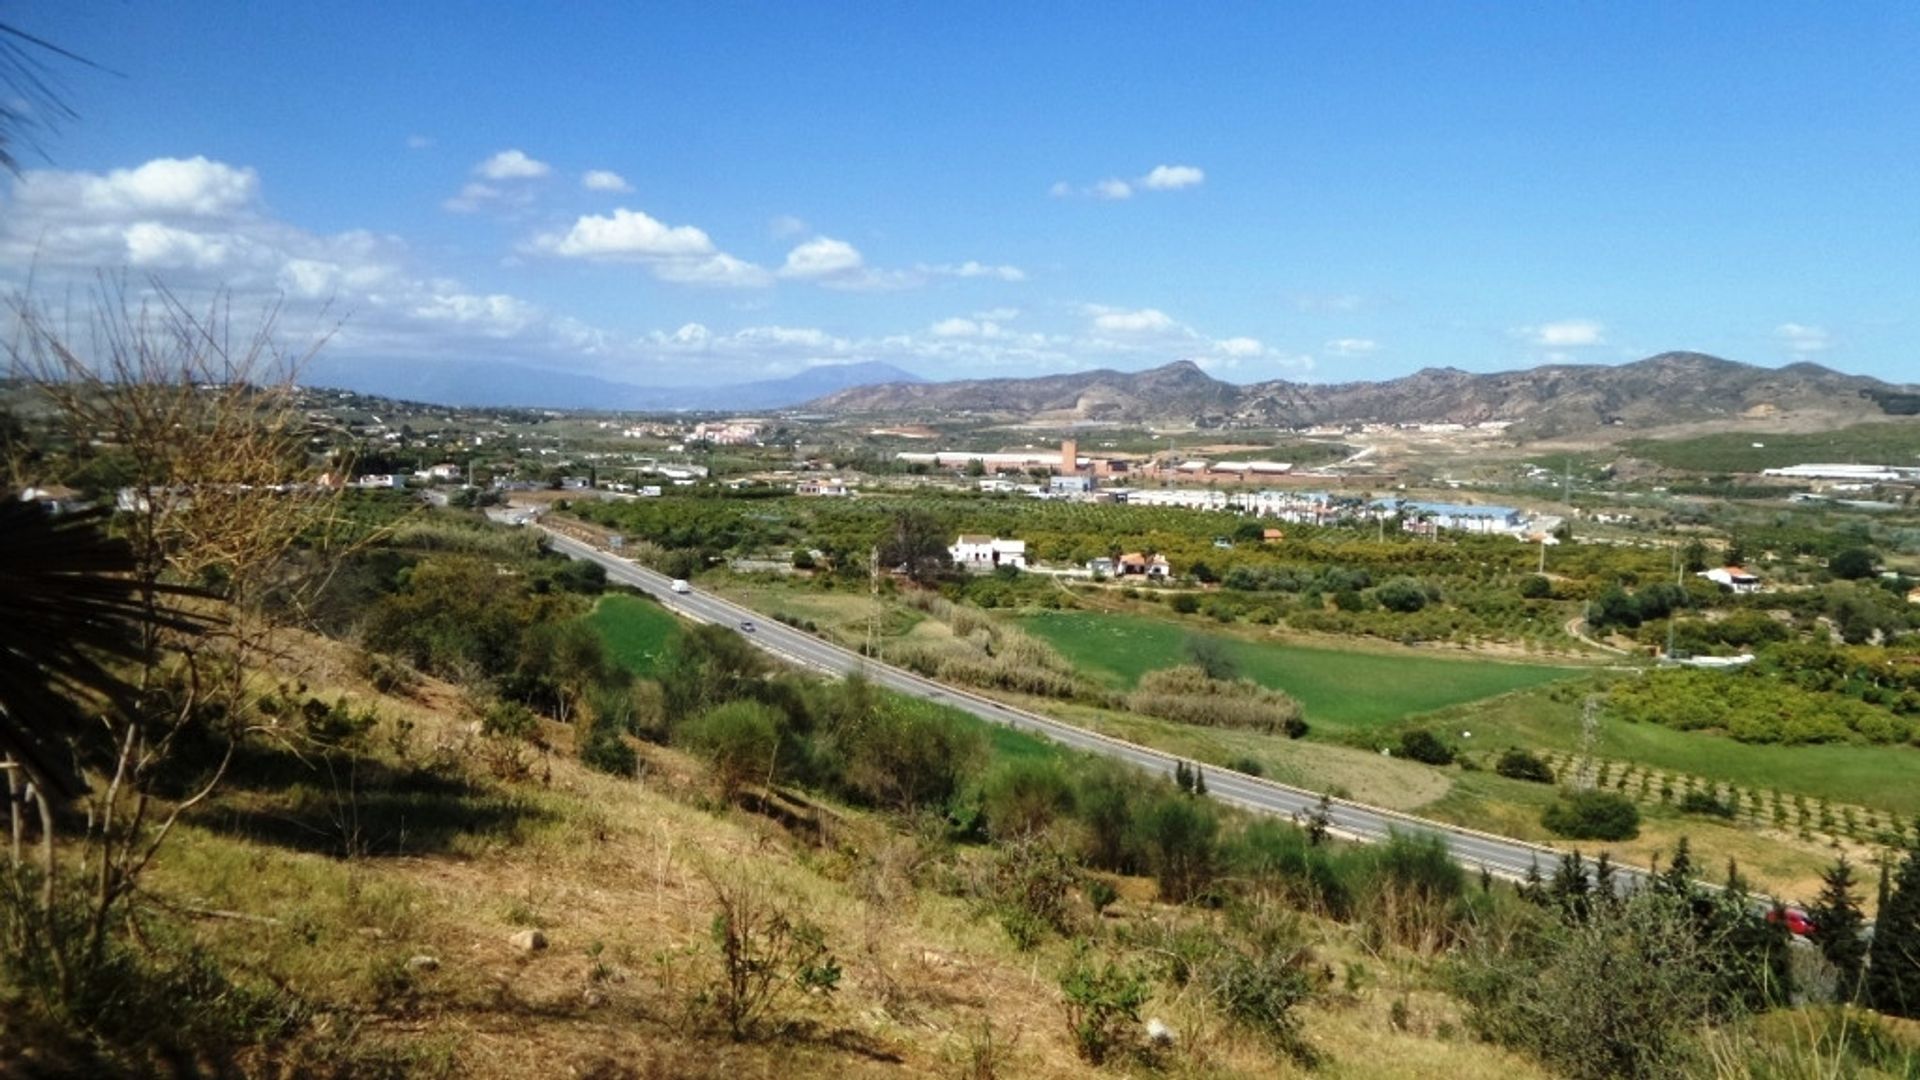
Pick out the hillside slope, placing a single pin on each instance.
(1670, 388)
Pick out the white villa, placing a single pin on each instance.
(984, 553)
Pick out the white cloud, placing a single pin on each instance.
(1173, 177)
(198, 226)
(786, 227)
(1240, 347)
(955, 327)
(1114, 189)
(1348, 346)
(1141, 321)
(419, 142)
(1565, 334)
(512, 165)
(625, 234)
(1801, 338)
(972, 269)
(476, 196)
(164, 187)
(605, 180)
(822, 257)
(719, 268)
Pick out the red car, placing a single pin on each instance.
(1797, 922)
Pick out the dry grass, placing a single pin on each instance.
(615, 874)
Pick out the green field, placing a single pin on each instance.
(1341, 690)
(1731, 452)
(1884, 777)
(637, 632)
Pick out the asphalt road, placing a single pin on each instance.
(1500, 856)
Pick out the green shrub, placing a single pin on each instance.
(1422, 745)
(740, 739)
(1703, 802)
(1024, 796)
(1103, 1005)
(1518, 764)
(1183, 603)
(1592, 815)
(1179, 837)
(1404, 595)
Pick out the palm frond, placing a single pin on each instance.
(69, 607)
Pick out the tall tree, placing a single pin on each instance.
(1837, 925)
(1893, 963)
(917, 543)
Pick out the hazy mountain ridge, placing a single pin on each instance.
(1670, 388)
(465, 383)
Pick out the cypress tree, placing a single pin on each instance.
(1837, 923)
(1320, 821)
(1605, 887)
(1183, 777)
(1533, 890)
(1677, 878)
(1893, 963)
(1199, 781)
(1570, 886)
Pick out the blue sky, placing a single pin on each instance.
(683, 193)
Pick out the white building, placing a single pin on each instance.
(381, 480)
(984, 553)
(827, 488)
(1737, 578)
(1189, 498)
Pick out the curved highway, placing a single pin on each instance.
(1498, 855)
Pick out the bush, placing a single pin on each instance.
(1404, 595)
(1179, 837)
(1592, 815)
(1187, 695)
(602, 748)
(1703, 802)
(1024, 796)
(1184, 603)
(740, 739)
(1517, 764)
(1103, 1005)
(907, 757)
(1424, 746)
(1535, 587)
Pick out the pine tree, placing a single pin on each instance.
(1183, 777)
(1199, 781)
(1893, 963)
(1837, 925)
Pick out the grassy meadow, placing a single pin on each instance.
(1342, 690)
(637, 632)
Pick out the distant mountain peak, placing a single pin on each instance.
(1667, 388)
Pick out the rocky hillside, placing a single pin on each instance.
(1671, 388)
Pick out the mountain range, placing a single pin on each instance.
(1561, 399)
(477, 383)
